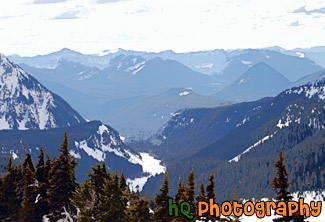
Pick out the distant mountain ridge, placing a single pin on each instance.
(141, 117)
(32, 116)
(209, 62)
(261, 80)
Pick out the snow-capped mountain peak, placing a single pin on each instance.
(26, 104)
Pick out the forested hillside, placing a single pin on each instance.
(292, 122)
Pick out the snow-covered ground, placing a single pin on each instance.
(149, 165)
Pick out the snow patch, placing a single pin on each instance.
(149, 165)
(185, 93)
(74, 154)
(237, 158)
(246, 62)
(300, 54)
(207, 65)
(14, 155)
(93, 152)
(137, 184)
(243, 81)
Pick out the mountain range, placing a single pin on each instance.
(32, 116)
(238, 142)
(101, 86)
(293, 121)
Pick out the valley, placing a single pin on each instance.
(145, 114)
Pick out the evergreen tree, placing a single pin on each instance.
(84, 200)
(179, 198)
(201, 196)
(138, 210)
(111, 207)
(97, 180)
(27, 210)
(190, 191)
(281, 183)
(28, 163)
(42, 168)
(234, 198)
(123, 183)
(161, 201)
(210, 188)
(210, 194)
(62, 183)
(3, 208)
(11, 202)
(180, 195)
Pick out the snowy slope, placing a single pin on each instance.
(26, 104)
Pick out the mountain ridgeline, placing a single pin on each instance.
(32, 116)
(103, 86)
(162, 104)
(292, 122)
(26, 104)
(261, 80)
(197, 128)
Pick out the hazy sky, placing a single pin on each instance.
(30, 27)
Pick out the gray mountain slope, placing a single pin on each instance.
(314, 77)
(259, 81)
(143, 116)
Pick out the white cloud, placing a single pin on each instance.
(48, 1)
(182, 25)
(109, 1)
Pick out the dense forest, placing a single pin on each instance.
(49, 189)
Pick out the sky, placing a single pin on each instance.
(32, 27)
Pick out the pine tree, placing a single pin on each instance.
(111, 207)
(28, 163)
(123, 183)
(62, 183)
(281, 183)
(138, 210)
(10, 188)
(234, 198)
(41, 206)
(161, 202)
(210, 194)
(97, 180)
(201, 196)
(180, 195)
(179, 198)
(190, 191)
(210, 187)
(3, 207)
(84, 200)
(27, 210)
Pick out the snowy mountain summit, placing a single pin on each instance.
(26, 104)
